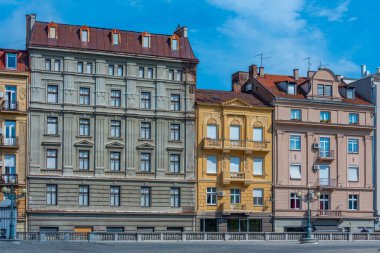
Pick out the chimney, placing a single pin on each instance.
(261, 71)
(339, 77)
(181, 31)
(310, 73)
(30, 21)
(296, 74)
(364, 70)
(238, 79)
(253, 71)
(378, 70)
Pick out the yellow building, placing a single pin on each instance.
(234, 161)
(14, 78)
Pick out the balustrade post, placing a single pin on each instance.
(161, 236)
(139, 237)
(246, 236)
(91, 237)
(43, 237)
(205, 236)
(266, 236)
(286, 236)
(367, 236)
(349, 237)
(116, 237)
(183, 237)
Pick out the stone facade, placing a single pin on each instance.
(111, 138)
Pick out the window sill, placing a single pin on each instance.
(353, 153)
(52, 135)
(84, 136)
(297, 150)
(150, 140)
(211, 174)
(296, 179)
(175, 141)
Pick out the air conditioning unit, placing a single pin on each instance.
(316, 167)
(316, 145)
(220, 193)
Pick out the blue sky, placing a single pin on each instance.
(226, 35)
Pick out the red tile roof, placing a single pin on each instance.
(22, 60)
(269, 81)
(219, 97)
(68, 36)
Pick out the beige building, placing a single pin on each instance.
(323, 137)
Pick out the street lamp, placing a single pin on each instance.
(308, 198)
(10, 194)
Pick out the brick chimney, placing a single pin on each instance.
(238, 79)
(30, 21)
(261, 71)
(181, 31)
(296, 74)
(252, 71)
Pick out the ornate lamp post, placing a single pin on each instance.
(308, 198)
(10, 194)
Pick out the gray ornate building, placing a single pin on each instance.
(112, 129)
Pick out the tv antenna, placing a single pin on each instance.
(261, 58)
(308, 59)
(322, 65)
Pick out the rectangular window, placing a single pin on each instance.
(212, 132)
(179, 75)
(115, 196)
(211, 196)
(111, 70)
(146, 41)
(11, 61)
(258, 134)
(234, 133)
(174, 163)
(145, 100)
(141, 72)
(145, 131)
(257, 166)
(328, 90)
(51, 195)
(324, 202)
(353, 146)
(48, 64)
(83, 195)
(211, 164)
(175, 197)
(324, 117)
(171, 74)
(52, 33)
(174, 132)
(10, 98)
(295, 114)
(84, 96)
(295, 201)
(174, 44)
(350, 93)
(145, 196)
(57, 65)
(52, 93)
(353, 118)
(235, 196)
(291, 89)
(89, 68)
(52, 125)
(115, 161)
(115, 128)
(234, 164)
(115, 98)
(295, 171)
(84, 160)
(295, 142)
(84, 36)
(51, 159)
(145, 162)
(115, 38)
(320, 90)
(150, 73)
(258, 196)
(80, 67)
(119, 70)
(353, 174)
(84, 127)
(353, 202)
(175, 102)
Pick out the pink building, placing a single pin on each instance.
(323, 139)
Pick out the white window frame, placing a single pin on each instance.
(356, 177)
(296, 174)
(258, 171)
(212, 168)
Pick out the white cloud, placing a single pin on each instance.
(276, 28)
(334, 14)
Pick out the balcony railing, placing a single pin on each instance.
(326, 154)
(233, 208)
(246, 145)
(6, 178)
(9, 141)
(10, 106)
(326, 213)
(242, 177)
(326, 182)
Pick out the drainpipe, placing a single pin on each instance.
(374, 148)
(63, 115)
(95, 104)
(274, 165)
(155, 126)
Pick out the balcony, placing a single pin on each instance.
(10, 106)
(326, 183)
(6, 178)
(236, 177)
(326, 213)
(326, 155)
(233, 208)
(9, 142)
(244, 145)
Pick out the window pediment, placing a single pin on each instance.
(115, 144)
(83, 143)
(145, 145)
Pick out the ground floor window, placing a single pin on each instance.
(209, 225)
(48, 229)
(294, 229)
(115, 229)
(175, 229)
(244, 225)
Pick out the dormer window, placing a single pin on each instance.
(85, 34)
(145, 39)
(324, 90)
(174, 41)
(115, 37)
(350, 93)
(291, 88)
(52, 30)
(11, 61)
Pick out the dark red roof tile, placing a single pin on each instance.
(218, 97)
(22, 60)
